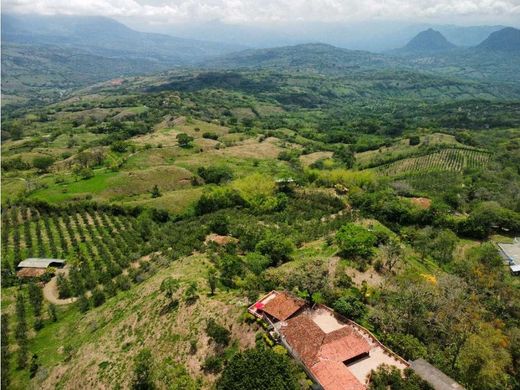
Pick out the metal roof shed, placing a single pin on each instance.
(41, 263)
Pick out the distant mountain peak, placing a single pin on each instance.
(506, 39)
(429, 40)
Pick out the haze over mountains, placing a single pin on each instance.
(43, 57)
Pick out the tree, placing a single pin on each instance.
(42, 163)
(53, 316)
(35, 298)
(310, 278)
(155, 191)
(351, 307)
(21, 331)
(143, 371)
(83, 303)
(184, 140)
(258, 368)
(276, 247)
(169, 287)
(5, 355)
(391, 378)
(355, 240)
(392, 253)
(190, 294)
(98, 297)
(212, 280)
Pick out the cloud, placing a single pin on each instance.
(247, 11)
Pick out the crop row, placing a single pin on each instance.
(453, 160)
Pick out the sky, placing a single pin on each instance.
(167, 12)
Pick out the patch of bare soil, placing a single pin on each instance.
(423, 203)
(50, 291)
(371, 277)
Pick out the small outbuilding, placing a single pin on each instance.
(41, 263)
(37, 267)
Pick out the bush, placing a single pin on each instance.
(42, 163)
(414, 140)
(215, 174)
(184, 140)
(216, 199)
(210, 135)
(213, 364)
(98, 297)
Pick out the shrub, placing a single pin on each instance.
(215, 174)
(42, 163)
(210, 135)
(184, 140)
(414, 140)
(213, 364)
(98, 297)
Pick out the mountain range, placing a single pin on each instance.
(43, 57)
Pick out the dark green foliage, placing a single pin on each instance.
(42, 163)
(35, 298)
(356, 241)
(213, 364)
(83, 303)
(155, 191)
(98, 297)
(119, 147)
(258, 368)
(33, 368)
(5, 352)
(276, 247)
(210, 135)
(53, 315)
(21, 331)
(184, 140)
(143, 363)
(216, 199)
(351, 307)
(212, 280)
(391, 378)
(414, 140)
(217, 333)
(215, 174)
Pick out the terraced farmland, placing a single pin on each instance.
(452, 160)
(97, 245)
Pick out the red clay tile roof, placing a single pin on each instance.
(343, 344)
(324, 353)
(334, 375)
(283, 306)
(304, 337)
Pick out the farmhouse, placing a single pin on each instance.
(34, 267)
(336, 353)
